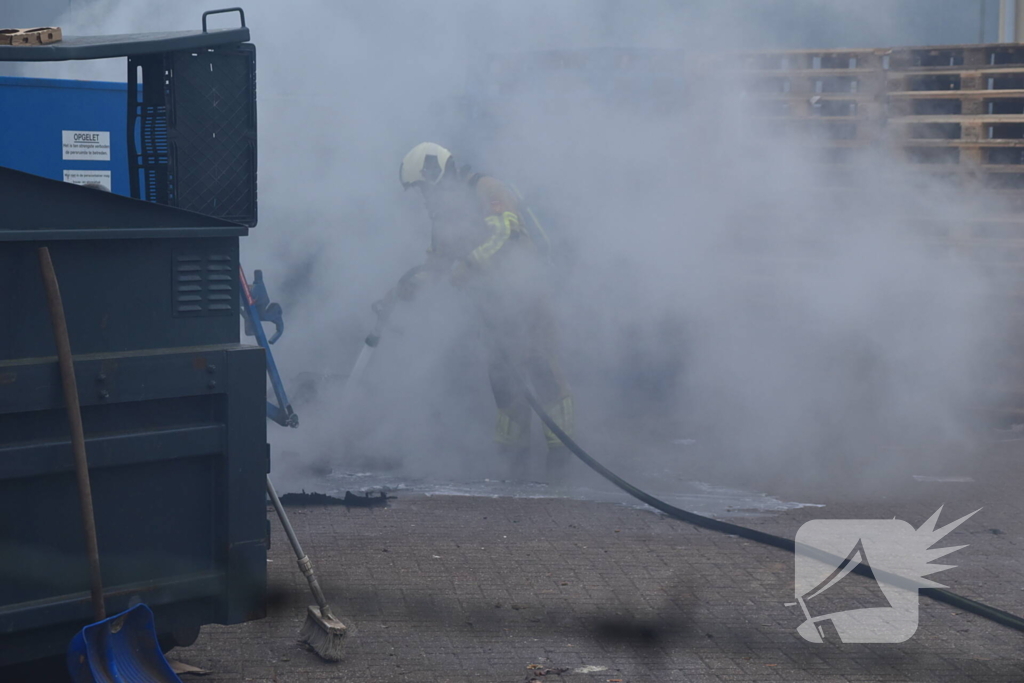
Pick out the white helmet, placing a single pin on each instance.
(425, 163)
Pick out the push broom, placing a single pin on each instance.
(323, 632)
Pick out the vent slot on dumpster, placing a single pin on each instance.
(204, 284)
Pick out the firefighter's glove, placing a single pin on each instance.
(383, 307)
(410, 283)
(460, 272)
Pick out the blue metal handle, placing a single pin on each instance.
(282, 413)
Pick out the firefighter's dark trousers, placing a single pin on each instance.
(525, 336)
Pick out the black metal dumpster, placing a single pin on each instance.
(173, 406)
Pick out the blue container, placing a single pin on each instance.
(44, 120)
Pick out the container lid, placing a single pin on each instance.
(36, 208)
(125, 45)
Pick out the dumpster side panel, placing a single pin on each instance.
(178, 458)
(121, 295)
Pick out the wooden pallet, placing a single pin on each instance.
(996, 78)
(825, 131)
(809, 82)
(31, 36)
(960, 105)
(955, 102)
(968, 99)
(804, 60)
(944, 57)
(832, 100)
(992, 142)
(855, 105)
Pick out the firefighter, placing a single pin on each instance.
(490, 246)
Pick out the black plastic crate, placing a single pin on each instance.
(192, 130)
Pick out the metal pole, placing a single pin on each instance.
(1018, 21)
(1008, 21)
(981, 27)
(305, 566)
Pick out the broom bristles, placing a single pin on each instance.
(325, 636)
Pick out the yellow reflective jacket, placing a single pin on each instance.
(476, 222)
(502, 217)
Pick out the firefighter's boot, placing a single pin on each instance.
(513, 438)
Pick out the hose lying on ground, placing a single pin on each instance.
(938, 594)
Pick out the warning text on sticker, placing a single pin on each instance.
(88, 145)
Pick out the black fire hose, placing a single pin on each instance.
(938, 594)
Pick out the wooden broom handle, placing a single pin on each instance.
(67, 379)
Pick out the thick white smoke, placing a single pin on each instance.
(716, 280)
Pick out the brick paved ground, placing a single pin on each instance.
(479, 589)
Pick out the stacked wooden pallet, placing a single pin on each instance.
(953, 113)
(833, 95)
(962, 107)
(954, 110)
